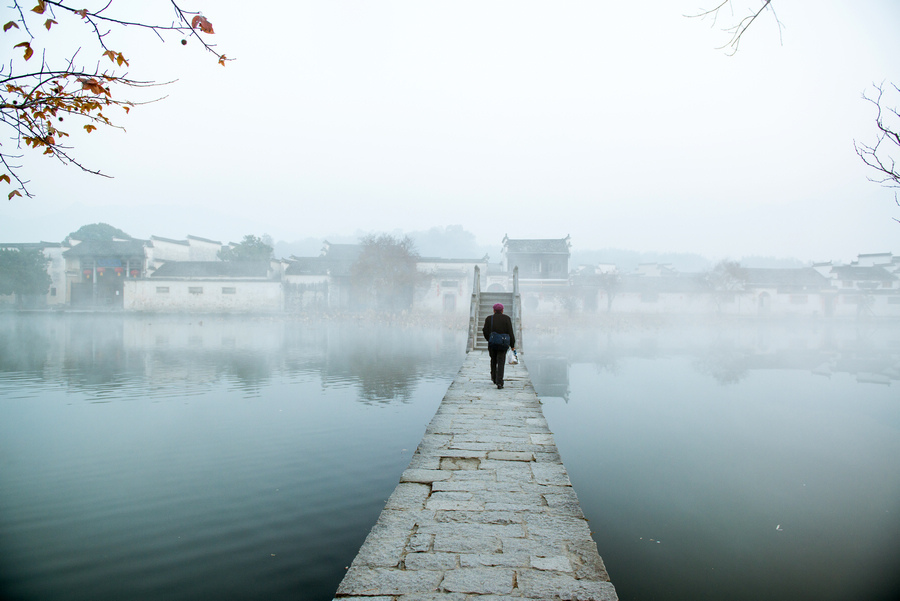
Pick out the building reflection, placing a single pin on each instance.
(728, 354)
(172, 355)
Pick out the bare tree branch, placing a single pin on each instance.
(736, 31)
(880, 155)
(34, 102)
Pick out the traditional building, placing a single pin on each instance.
(543, 266)
(450, 283)
(208, 286)
(97, 269)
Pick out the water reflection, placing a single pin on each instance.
(728, 354)
(754, 461)
(164, 356)
(179, 458)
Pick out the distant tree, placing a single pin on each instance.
(880, 155)
(251, 248)
(451, 241)
(49, 77)
(724, 280)
(24, 273)
(609, 283)
(99, 231)
(386, 272)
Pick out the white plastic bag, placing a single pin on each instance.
(511, 357)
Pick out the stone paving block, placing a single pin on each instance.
(508, 560)
(419, 542)
(424, 476)
(431, 561)
(479, 581)
(563, 500)
(388, 538)
(463, 453)
(471, 538)
(558, 563)
(510, 456)
(408, 495)
(501, 518)
(528, 546)
(460, 463)
(383, 581)
(542, 439)
(569, 528)
(589, 565)
(535, 584)
(441, 502)
(435, 597)
(469, 475)
(550, 473)
(424, 462)
(454, 543)
(516, 471)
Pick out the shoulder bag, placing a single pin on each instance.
(497, 341)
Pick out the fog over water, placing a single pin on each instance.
(205, 457)
(621, 124)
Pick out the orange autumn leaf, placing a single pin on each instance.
(28, 50)
(50, 23)
(14, 193)
(202, 22)
(40, 8)
(10, 25)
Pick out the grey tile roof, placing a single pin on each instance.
(560, 245)
(307, 266)
(170, 240)
(106, 248)
(853, 272)
(198, 238)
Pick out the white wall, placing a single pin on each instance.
(248, 296)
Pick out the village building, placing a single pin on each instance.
(162, 274)
(96, 271)
(208, 286)
(451, 283)
(543, 266)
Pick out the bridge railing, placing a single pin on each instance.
(517, 308)
(473, 311)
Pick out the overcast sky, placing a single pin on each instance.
(621, 124)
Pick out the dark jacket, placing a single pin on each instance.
(498, 322)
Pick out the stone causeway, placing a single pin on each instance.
(485, 509)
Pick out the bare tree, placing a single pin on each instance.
(878, 156)
(41, 87)
(736, 29)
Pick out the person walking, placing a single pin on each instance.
(501, 324)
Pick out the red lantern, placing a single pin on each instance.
(119, 271)
(100, 271)
(134, 273)
(87, 274)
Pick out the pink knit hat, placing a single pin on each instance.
(498, 307)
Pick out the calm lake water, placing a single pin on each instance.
(211, 458)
